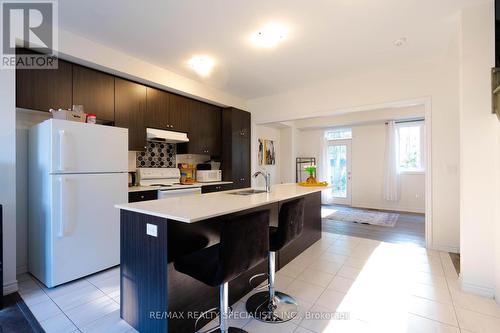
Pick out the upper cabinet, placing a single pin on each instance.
(167, 111)
(128, 104)
(205, 135)
(157, 102)
(178, 112)
(130, 111)
(95, 91)
(45, 89)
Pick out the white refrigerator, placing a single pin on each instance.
(77, 173)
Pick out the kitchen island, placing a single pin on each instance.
(157, 298)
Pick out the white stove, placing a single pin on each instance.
(168, 179)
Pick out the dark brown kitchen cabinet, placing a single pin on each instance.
(44, 89)
(204, 130)
(142, 196)
(157, 102)
(178, 112)
(216, 188)
(167, 111)
(236, 160)
(94, 90)
(130, 111)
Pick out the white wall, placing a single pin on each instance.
(434, 83)
(288, 153)
(266, 133)
(368, 165)
(479, 159)
(367, 160)
(8, 176)
(84, 51)
(497, 231)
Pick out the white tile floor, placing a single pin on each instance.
(380, 287)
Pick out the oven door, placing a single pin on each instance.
(163, 194)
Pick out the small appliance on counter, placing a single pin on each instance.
(207, 176)
(132, 176)
(188, 173)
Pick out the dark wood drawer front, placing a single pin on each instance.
(216, 188)
(142, 196)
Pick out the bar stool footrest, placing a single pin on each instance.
(232, 330)
(285, 307)
(257, 288)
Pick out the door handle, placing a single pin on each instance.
(62, 203)
(62, 150)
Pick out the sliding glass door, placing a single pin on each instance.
(339, 155)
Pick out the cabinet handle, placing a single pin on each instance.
(142, 197)
(62, 150)
(62, 207)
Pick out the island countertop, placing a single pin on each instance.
(200, 207)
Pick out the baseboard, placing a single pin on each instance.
(445, 248)
(21, 269)
(475, 289)
(391, 209)
(10, 288)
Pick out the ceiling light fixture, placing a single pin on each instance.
(269, 35)
(400, 41)
(201, 64)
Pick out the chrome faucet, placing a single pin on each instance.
(267, 177)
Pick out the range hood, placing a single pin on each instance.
(154, 134)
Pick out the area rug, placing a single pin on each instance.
(363, 216)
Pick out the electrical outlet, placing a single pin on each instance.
(152, 230)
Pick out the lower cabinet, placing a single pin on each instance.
(142, 196)
(216, 188)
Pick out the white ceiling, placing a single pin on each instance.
(326, 38)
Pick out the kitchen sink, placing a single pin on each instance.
(248, 192)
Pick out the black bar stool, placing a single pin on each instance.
(244, 242)
(273, 306)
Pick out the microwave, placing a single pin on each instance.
(207, 176)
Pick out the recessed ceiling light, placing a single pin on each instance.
(269, 35)
(201, 64)
(400, 41)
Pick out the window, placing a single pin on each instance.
(411, 146)
(339, 134)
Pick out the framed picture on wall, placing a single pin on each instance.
(260, 156)
(269, 153)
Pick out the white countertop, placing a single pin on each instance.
(173, 187)
(200, 207)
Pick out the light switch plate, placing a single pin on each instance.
(152, 230)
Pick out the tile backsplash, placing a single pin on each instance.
(157, 155)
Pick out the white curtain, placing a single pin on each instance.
(391, 175)
(324, 170)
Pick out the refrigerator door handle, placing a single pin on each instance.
(62, 150)
(62, 203)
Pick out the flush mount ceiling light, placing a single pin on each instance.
(400, 41)
(269, 35)
(201, 64)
